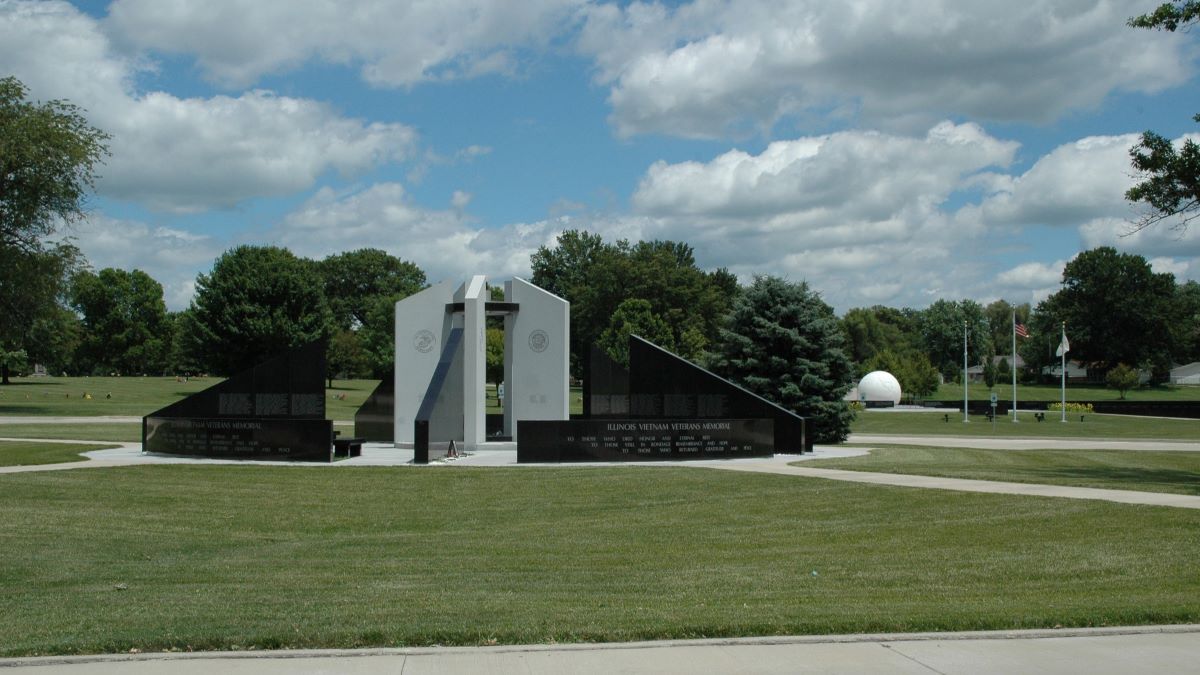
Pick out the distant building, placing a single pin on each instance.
(1188, 374)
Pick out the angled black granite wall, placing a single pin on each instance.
(275, 410)
(440, 417)
(659, 384)
(374, 420)
(662, 384)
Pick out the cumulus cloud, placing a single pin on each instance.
(711, 67)
(186, 154)
(393, 42)
(172, 257)
(445, 243)
(860, 211)
(1073, 184)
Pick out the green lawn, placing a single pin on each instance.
(1177, 472)
(1053, 392)
(13, 453)
(187, 557)
(1092, 426)
(138, 396)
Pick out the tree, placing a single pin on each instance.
(990, 372)
(1116, 309)
(256, 302)
(124, 323)
(1122, 378)
(495, 355)
(48, 155)
(876, 329)
(1185, 323)
(634, 317)
(355, 279)
(1170, 175)
(942, 327)
(782, 342)
(917, 377)
(345, 357)
(596, 277)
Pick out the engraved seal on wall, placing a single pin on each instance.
(539, 341)
(423, 341)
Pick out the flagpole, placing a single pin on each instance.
(965, 419)
(1013, 366)
(1064, 370)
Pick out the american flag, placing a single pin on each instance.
(1021, 330)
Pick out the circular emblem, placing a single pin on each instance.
(538, 341)
(423, 341)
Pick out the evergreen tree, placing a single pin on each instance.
(782, 342)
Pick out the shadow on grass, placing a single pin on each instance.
(1171, 480)
(31, 383)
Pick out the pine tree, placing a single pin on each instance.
(782, 342)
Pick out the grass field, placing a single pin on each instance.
(1177, 472)
(184, 557)
(1092, 426)
(25, 454)
(139, 396)
(1075, 392)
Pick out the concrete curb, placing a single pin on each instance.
(851, 638)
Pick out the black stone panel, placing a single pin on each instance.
(662, 384)
(290, 386)
(605, 387)
(375, 419)
(305, 440)
(643, 440)
(275, 410)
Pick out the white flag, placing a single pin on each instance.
(1064, 346)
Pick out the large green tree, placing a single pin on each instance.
(634, 317)
(782, 342)
(1170, 174)
(596, 277)
(1116, 309)
(354, 280)
(48, 157)
(942, 325)
(124, 323)
(872, 330)
(255, 303)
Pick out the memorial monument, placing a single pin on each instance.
(439, 388)
(662, 407)
(275, 410)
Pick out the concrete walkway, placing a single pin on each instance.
(1157, 649)
(383, 454)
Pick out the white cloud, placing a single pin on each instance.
(710, 67)
(1072, 184)
(857, 213)
(1032, 275)
(394, 42)
(186, 154)
(172, 257)
(446, 244)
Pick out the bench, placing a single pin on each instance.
(1041, 417)
(347, 447)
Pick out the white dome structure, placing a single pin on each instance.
(879, 385)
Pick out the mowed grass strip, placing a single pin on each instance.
(138, 396)
(124, 433)
(1111, 427)
(19, 453)
(1147, 471)
(184, 557)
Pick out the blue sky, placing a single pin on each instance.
(885, 152)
